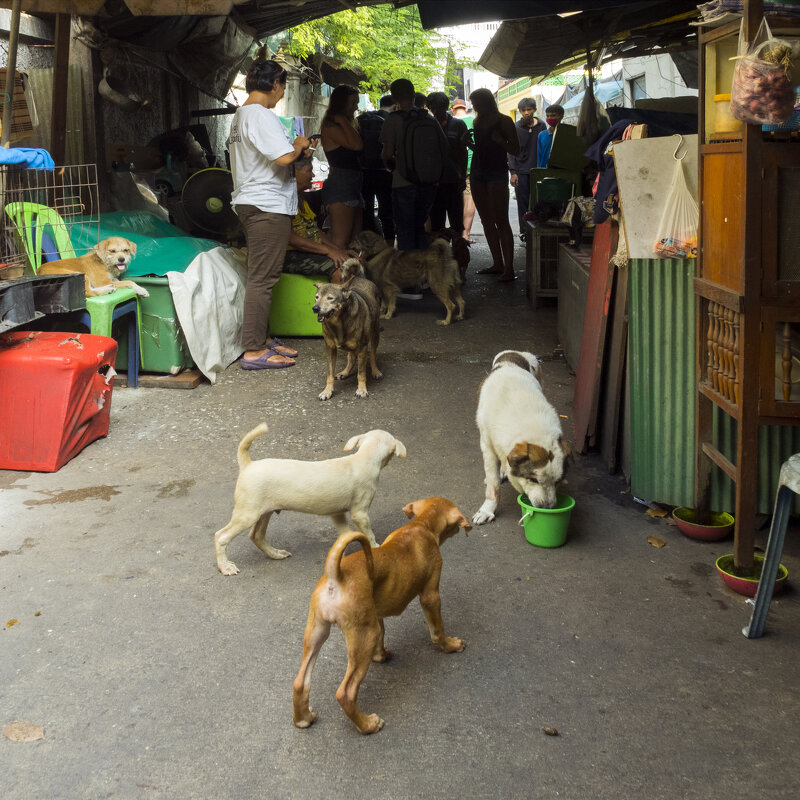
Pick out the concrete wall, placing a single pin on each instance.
(662, 78)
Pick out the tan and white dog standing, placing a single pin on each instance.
(520, 433)
(101, 267)
(330, 488)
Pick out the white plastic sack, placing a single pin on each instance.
(677, 231)
(209, 303)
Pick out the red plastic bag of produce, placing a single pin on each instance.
(677, 230)
(762, 93)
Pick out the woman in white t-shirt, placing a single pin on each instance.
(265, 199)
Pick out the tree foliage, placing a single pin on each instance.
(383, 42)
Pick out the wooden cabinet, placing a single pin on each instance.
(748, 284)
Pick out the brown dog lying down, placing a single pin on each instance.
(394, 270)
(358, 591)
(101, 268)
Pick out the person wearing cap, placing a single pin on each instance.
(528, 126)
(460, 112)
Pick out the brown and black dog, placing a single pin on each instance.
(394, 270)
(459, 247)
(357, 591)
(350, 317)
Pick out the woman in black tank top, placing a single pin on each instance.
(495, 138)
(341, 192)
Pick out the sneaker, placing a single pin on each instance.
(523, 237)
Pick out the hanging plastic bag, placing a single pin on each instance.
(761, 93)
(677, 231)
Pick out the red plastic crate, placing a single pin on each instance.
(55, 396)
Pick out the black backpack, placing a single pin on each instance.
(370, 126)
(423, 154)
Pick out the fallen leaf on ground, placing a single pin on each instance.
(38, 614)
(550, 731)
(12, 622)
(656, 512)
(23, 731)
(656, 541)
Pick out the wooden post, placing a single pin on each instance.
(11, 71)
(750, 334)
(58, 123)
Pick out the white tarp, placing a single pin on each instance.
(209, 299)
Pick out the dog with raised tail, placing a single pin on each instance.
(331, 488)
(358, 590)
(520, 433)
(394, 270)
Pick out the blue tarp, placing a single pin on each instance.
(605, 92)
(30, 157)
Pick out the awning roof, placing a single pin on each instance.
(263, 17)
(545, 45)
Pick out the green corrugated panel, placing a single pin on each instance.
(661, 347)
(775, 444)
(661, 353)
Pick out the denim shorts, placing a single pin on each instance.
(343, 186)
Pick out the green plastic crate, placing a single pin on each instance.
(163, 346)
(292, 298)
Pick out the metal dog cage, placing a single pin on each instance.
(39, 208)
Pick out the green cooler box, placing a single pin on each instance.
(163, 347)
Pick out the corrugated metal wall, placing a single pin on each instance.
(661, 353)
(661, 346)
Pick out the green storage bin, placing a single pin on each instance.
(553, 190)
(292, 298)
(538, 174)
(163, 346)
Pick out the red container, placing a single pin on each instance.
(55, 396)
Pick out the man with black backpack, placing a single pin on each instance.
(416, 149)
(376, 178)
(449, 199)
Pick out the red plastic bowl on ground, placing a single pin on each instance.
(56, 396)
(747, 586)
(720, 525)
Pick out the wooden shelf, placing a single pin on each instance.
(731, 28)
(728, 146)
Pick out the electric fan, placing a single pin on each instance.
(206, 200)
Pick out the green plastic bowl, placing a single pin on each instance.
(546, 527)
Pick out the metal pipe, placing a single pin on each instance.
(11, 70)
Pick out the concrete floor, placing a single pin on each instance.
(155, 676)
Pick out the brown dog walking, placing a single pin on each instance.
(357, 591)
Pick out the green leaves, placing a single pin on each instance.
(383, 42)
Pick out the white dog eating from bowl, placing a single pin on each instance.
(520, 434)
